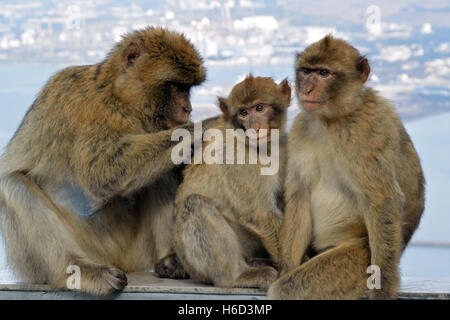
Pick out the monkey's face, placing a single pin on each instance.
(313, 86)
(329, 76)
(156, 71)
(258, 104)
(258, 116)
(178, 108)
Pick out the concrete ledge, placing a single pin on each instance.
(145, 285)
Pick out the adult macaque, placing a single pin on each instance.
(97, 143)
(354, 186)
(227, 215)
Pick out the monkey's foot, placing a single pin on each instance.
(260, 277)
(170, 267)
(102, 281)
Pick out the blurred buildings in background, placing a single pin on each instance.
(407, 42)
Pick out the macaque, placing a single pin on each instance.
(354, 187)
(228, 213)
(87, 179)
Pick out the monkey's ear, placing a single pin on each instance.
(130, 54)
(285, 90)
(224, 107)
(363, 68)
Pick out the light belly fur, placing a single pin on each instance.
(334, 216)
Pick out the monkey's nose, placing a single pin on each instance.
(307, 91)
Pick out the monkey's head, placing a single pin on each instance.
(330, 75)
(257, 103)
(156, 69)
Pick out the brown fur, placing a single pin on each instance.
(228, 214)
(103, 130)
(354, 187)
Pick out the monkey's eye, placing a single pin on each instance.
(324, 72)
(306, 70)
(259, 107)
(243, 112)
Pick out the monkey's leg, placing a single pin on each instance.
(338, 273)
(209, 249)
(296, 229)
(18, 248)
(39, 244)
(153, 244)
(268, 231)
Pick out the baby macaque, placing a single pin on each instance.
(228, 216)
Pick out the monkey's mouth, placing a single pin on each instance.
(259, 137)
(182, 116)
(310, 105)
(176, 121)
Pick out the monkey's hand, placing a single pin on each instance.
(205, 124)
(197, 136)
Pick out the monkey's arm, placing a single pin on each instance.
(209, 122)
(296, 230)
(380, 201)
(382, 217)
(112, 165)
(384, 230)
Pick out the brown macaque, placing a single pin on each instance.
(227, 214)
(354, 185)
(87, 179)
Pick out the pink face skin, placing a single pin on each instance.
(313, 87)
(180, 105)
(257, 116)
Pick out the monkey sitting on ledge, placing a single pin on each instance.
(228, 213)
(97, 143)
(354, 184)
